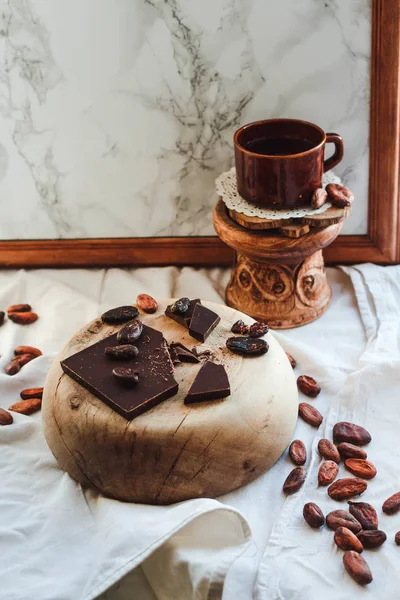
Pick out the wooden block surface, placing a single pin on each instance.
(294, 231)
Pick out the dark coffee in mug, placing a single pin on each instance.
(278, 146)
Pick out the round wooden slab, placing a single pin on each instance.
(174, 452)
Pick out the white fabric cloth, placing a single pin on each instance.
(59, 542)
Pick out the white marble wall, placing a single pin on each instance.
(117, 115)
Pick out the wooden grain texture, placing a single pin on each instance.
(294, 231)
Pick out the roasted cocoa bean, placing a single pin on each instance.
(309, 414)
(372, 538)
(121, 314)
(365, 514)
(122, 352)
(397, 538)
(147, 303)
(126, 376)
(31, 393)
(347, 450)
(339, 195)
(179, 307)
(298, 452)
(351, 433)
(346, 488)
(258, 329)
(294, 480)
(13, 368)
(308, 386)
(327, 472)
(328, 450)
(240, 328)
(291, 360)
(319, 198)
(347, 540)
(342, 518)
(357, 567)
(360, 467)
(5, 417)
(392, 504)
(27, 407)
(18, 362)
(23, 318)
(313, 515)
(247, 346)
(19, 308)
(130, 332)
(27, 350)
(2, 317)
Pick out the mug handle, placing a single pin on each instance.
(337, 156)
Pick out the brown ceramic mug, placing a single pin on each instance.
(280, 162)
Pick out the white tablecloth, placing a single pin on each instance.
(59, 542)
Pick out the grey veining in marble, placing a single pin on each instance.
(117, 115)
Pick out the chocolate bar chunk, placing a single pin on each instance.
(203, 322)
(184, 318)
(182, 353)
(211, 383)
(92, 369)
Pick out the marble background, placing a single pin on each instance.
(117, 115)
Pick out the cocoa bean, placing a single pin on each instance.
(346, 488)
(2, 316)
(291, 360)
(122, 352)
(372, 538)
(247, 346)
(298, 452)
(308, 386)
(347, 450)
(397, 538)
(29, 393)
(342, 518)
(392, 504)
(339, 195)
(328, 450)
(147, 303)
(347, 540)
(313, 515)
(309, 414)
(5, 417)
(327, 472)
(294, 480)
(319, 197)
(27, 407)
(349, 432)
(19, 308)
(18, 362)
(13, 368)
(126, 376)
(23, 318)
(258, 329)
(365, 514)
(130, 332)
(357, 567)
(27, 350)
(240, 328)
(179, 307)
(121, 314)
(360, 468)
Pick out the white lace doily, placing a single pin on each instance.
(227, 189)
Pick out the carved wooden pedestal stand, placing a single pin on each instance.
(277, 279)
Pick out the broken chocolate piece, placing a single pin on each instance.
(121, 314)
(122, 352)
(203, 322)
(182, 353)
(211, 383)
(92, 369)
(127, 376)
(182, 319)
(247, 345)
(130, 333)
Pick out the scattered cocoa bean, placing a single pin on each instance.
(347, 540)
(339, 195)
(122, 352)
(27, 350)
(130, 332)
(27, 407)
(328, 472)
(240, 328)
(179, 307)
(18, 362)
(328, 450)
(360, 467)
(392, 504)
(258, 329)
(23, 318)
(372, 538)
(29, 393)
(347, 450)
(291, 360)
(397, 538)
(19, 308)
(365, 514)
(121, 314)
(342, 518)
(357, 567)
(346, 488)
(309, 414)
(319, 197)
(294, 480)
(298, 452)
(147, 303)
(247, 345)
(5, 417)
(308, 386)
(313, 515)
(349, 432)
(128, 377)
(2, 316)
(12, 368)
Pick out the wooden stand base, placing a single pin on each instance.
(277, 279)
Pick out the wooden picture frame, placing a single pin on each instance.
(381, 245)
